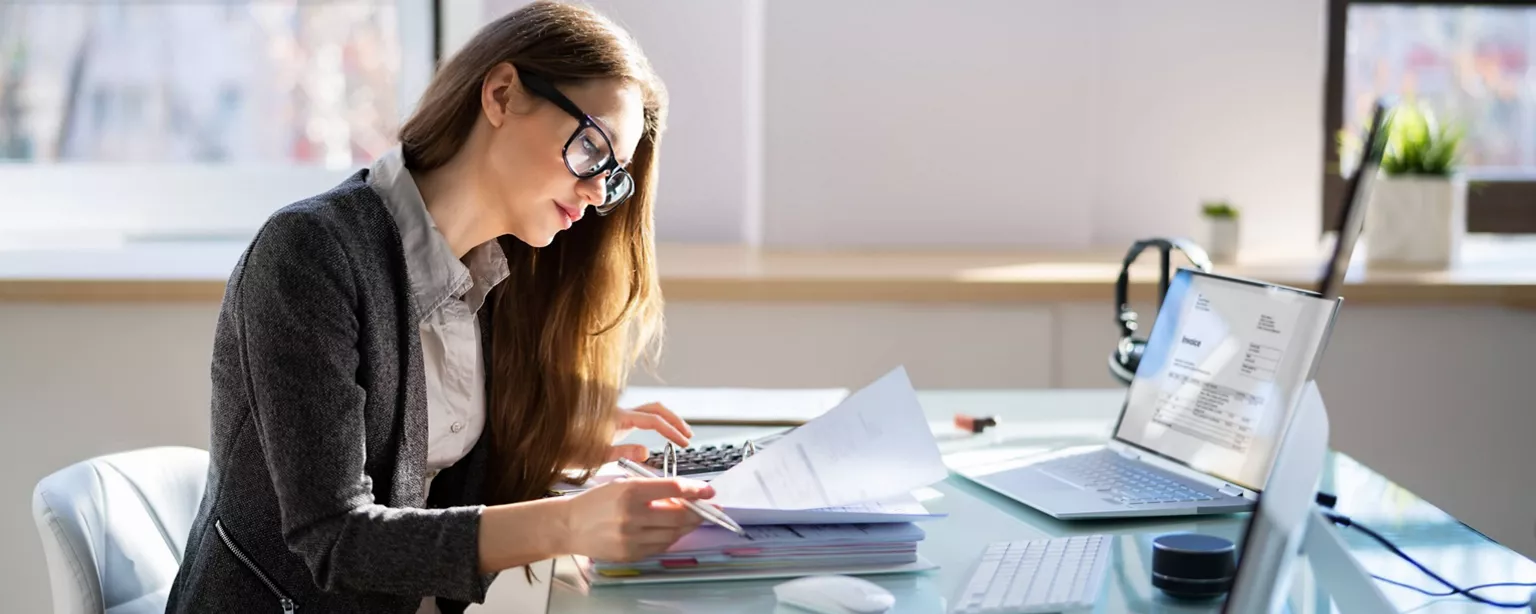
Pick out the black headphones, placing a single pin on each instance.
(1127, 355)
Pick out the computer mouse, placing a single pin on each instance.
(830, 594)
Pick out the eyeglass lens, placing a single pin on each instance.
(587, 154)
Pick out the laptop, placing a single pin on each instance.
(1356, 196)
(1203, 416)
(1198, 431)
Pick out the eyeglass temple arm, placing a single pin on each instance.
(548, 91)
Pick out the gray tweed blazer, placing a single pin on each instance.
(319, 431)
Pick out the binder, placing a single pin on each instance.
(772, 552)
(796, 496)
(922, 564)
(895, 509)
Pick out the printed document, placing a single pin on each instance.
(874, 445)
(901, 508)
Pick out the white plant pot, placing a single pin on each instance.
(1416, 222)
(1223, 237)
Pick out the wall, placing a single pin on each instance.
(997, 122)
(1203, 99)
(705, 53)
(986, 122)
(979, 123)
(953, 123)
(80, 381)
(86, 380)
(1440, 400)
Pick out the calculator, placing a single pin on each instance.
(697, 462)
(705, 462)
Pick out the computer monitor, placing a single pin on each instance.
(1286, 524)
(1272, 541)
(1357, 196)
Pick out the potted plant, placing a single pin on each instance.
(1222, 230)
(1417, 213)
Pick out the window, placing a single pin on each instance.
(196, 117)
(1472, 61)
(262, 82)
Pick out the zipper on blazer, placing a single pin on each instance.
(289, 607)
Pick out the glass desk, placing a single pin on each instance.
(1047, 419)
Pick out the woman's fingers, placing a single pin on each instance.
(642, 491)
(668, 517)
(664, 536)
(651, 543)
(655, 503)
(666, 414)
(631, 451)
(654, 422)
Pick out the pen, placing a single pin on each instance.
(704, 511)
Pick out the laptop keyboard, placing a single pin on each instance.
(1122, 480)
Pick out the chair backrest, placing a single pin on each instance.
(114, 528)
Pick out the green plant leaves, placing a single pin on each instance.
(1418, 145)
(1218, 210)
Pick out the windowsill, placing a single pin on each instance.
(1493, 272)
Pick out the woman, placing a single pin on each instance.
(405, 364)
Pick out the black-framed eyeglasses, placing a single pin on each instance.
(589, 151)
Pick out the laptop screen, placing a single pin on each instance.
(1356, 197)
(1223, 365)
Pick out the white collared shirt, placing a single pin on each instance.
(448, 293)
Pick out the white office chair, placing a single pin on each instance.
(114, 528)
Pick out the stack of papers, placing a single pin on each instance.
(832, 496)
(773, 551)
(903, 508)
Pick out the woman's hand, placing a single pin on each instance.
(630, 519)
(652, 417)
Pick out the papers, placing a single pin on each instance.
(905, 508)
(594, 578)
(831, 496)
(874, 445)
(795, 550)
(710, 538)
(727, 405)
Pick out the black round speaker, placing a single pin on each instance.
(1192, 565)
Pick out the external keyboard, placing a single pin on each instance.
(1062, 574)
(1122, 480)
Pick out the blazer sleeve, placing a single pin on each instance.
(298, 303)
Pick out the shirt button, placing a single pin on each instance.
(457, 426)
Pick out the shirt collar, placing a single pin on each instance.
(435, 274)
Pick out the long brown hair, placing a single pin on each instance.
(573, 317)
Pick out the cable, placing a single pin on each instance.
(1425, 591)
(1345, 521)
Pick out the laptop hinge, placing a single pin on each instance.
(1231, 491)
(1129, 453)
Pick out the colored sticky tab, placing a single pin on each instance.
(615, 573)
(679, 563)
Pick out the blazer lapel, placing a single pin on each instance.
(411, 457)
